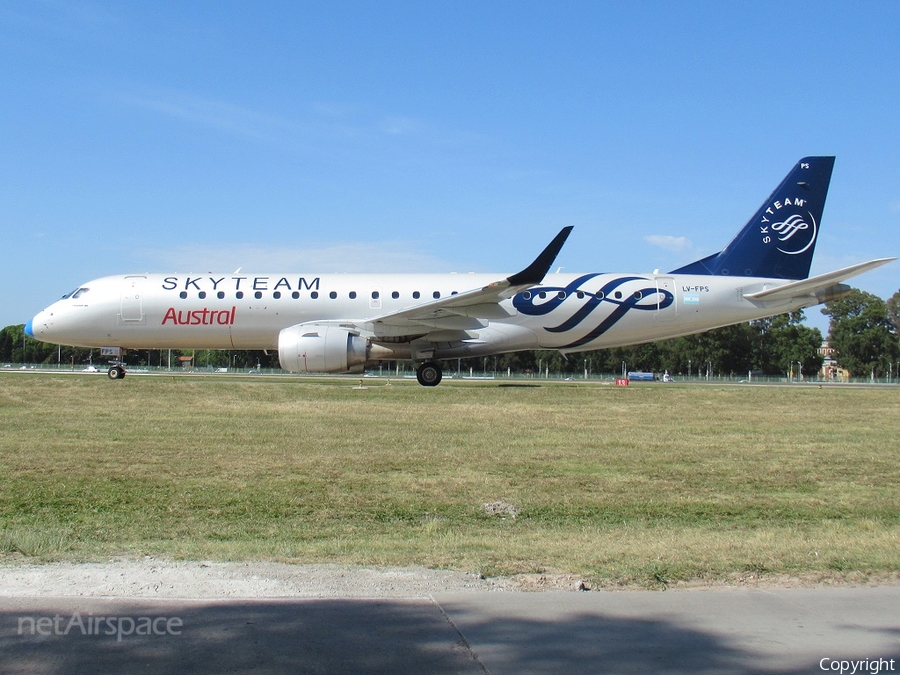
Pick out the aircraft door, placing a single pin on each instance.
(132, 310)
(667, 305)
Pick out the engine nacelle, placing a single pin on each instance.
(314, 348)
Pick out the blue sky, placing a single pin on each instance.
(439, 136)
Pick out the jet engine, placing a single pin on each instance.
(316, 348)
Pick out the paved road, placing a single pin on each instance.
(726, 631)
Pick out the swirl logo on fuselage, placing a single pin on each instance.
(786, 230)
(651, 298)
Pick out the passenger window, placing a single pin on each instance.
(239, 295)
(436, 295)
(332, 295)
(395, 295)
(353, 295)
(202, 295)
(220, 295)
(276, 295)
(416, 295)
(295, 295)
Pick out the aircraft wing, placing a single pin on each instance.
(816, 286)
(463, 309)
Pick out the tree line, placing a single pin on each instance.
(863, 331)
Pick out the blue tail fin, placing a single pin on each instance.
(779, 240)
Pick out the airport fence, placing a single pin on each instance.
(471, 374)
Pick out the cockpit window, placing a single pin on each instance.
(77, 293)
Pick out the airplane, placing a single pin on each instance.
(340, 323)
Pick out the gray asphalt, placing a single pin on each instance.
(722, 631)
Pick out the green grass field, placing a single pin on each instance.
(646, 485)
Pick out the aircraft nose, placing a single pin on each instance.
(37, 327)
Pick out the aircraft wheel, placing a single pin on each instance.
(116, 373)
(429, 374)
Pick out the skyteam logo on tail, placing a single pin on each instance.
(795, 225)
(793, 233)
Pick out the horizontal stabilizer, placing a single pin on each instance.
(811, 286)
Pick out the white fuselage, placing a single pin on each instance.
(569, 312)
(338, 323)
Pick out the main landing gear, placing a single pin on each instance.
(429, 374)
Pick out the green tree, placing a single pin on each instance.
(893, 310)
(723, 350)
(862, 333)
(782, 341)
(211, 358)
(19, 348)
(6, 345)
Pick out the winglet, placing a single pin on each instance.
(536, 271)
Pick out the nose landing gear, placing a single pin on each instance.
(116, 372)
(116, 366)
